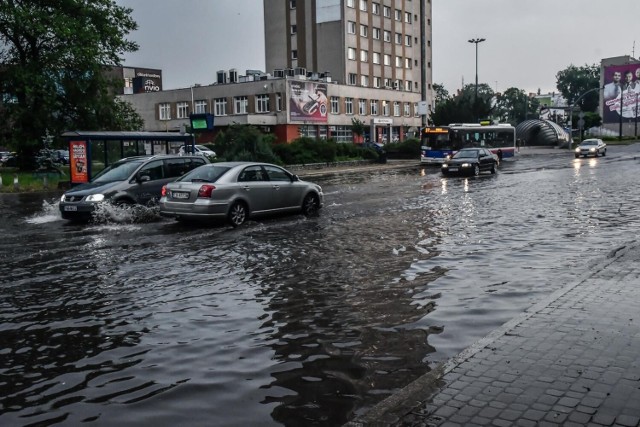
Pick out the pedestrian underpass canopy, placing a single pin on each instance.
(541, 133)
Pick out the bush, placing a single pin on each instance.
(406, 149)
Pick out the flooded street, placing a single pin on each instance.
(290, 321)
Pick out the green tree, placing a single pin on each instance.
(463, 107)
(574, 81)
(54, 58)
(357, 127)
(514, 106)
(441, 94)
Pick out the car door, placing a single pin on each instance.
(287, 193)
(254, 187)
(486, 159)
(146, 185)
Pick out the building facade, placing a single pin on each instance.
(328, 62)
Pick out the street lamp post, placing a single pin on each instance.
(476, 41)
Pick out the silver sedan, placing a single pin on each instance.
(591, 147)
(236, 191)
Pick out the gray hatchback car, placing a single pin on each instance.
(236, 191)
(134, 180)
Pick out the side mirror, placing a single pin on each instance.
(143, 178)
(295, 178)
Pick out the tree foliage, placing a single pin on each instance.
(54, 58)
(464, 107)
(572, 82)
(514, 106)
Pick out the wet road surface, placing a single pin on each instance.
(289, 321)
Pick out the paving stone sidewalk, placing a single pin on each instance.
(572, 360)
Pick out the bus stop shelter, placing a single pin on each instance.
(90, 152)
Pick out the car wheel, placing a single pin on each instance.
(123, 203)
(604, 153)
(577, 156)
(310, 205)
(493, 168)
(476, 170)
(237, 214)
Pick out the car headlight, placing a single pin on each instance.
(466, 165)
(62, 198)
(578, 150)
(592, 149)
(95, 198)
(444, 165)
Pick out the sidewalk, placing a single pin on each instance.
(572, 359)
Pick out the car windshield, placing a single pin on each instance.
(590, 142)
(117, 171)
(207, 173)
(466, 154)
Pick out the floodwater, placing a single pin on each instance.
(138, 320)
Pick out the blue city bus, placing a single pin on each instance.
(438, 142)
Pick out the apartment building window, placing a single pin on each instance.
(398, 38)
(407, 17)
(335, 105)
(398, 15)
(164, 111)
(278, 102)
(364, 30)
(377, 81)
(386, 11)
(407, 109)
(407, 40)
(408, 85)
(364, 55)
(294, 29)
(262, 103)
(353, 79)
(399, 61)
(348, 106)
(376, 33)
(292, 4)
(363, 5)
(387, 83)
(387, 36)
(240, 104)
(364, 81)
(351, 27)
(387, 60)
(182, 110)
(294, 54)
(415, 109)
(416, 86)
(398, 84)
(351, 53)
(373, 107)
(396, 108)
(375, 8)
(220, 106)
(376, 58)
(351, 3)
(407, 63)
(362, 107)
(200, 107)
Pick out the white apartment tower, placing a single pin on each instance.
(365, 43)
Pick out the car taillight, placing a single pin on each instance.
(206, 190)
(164, 191)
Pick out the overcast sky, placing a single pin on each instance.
(527, 41)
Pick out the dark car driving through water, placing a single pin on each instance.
(133, 180)
(470, 161)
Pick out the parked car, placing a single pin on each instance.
(591, 147)
(200, 150)
(61, 156)
(134, 180)
(470, 161)
(236, 191)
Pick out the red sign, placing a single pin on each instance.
(78, 162)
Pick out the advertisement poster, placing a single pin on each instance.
(621, 92)
(78, 165)
(308, 101)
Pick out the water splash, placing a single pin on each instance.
(125, 214)
(50, 212)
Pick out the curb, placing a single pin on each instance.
(391, 410)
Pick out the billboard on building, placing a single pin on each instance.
(146, 84)
(307, 101)
(621, 92)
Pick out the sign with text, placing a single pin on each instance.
(307, 101)
(78, 162)
(621, 92)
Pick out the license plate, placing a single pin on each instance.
(70, 208)
(453, 169)
(179, 195)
